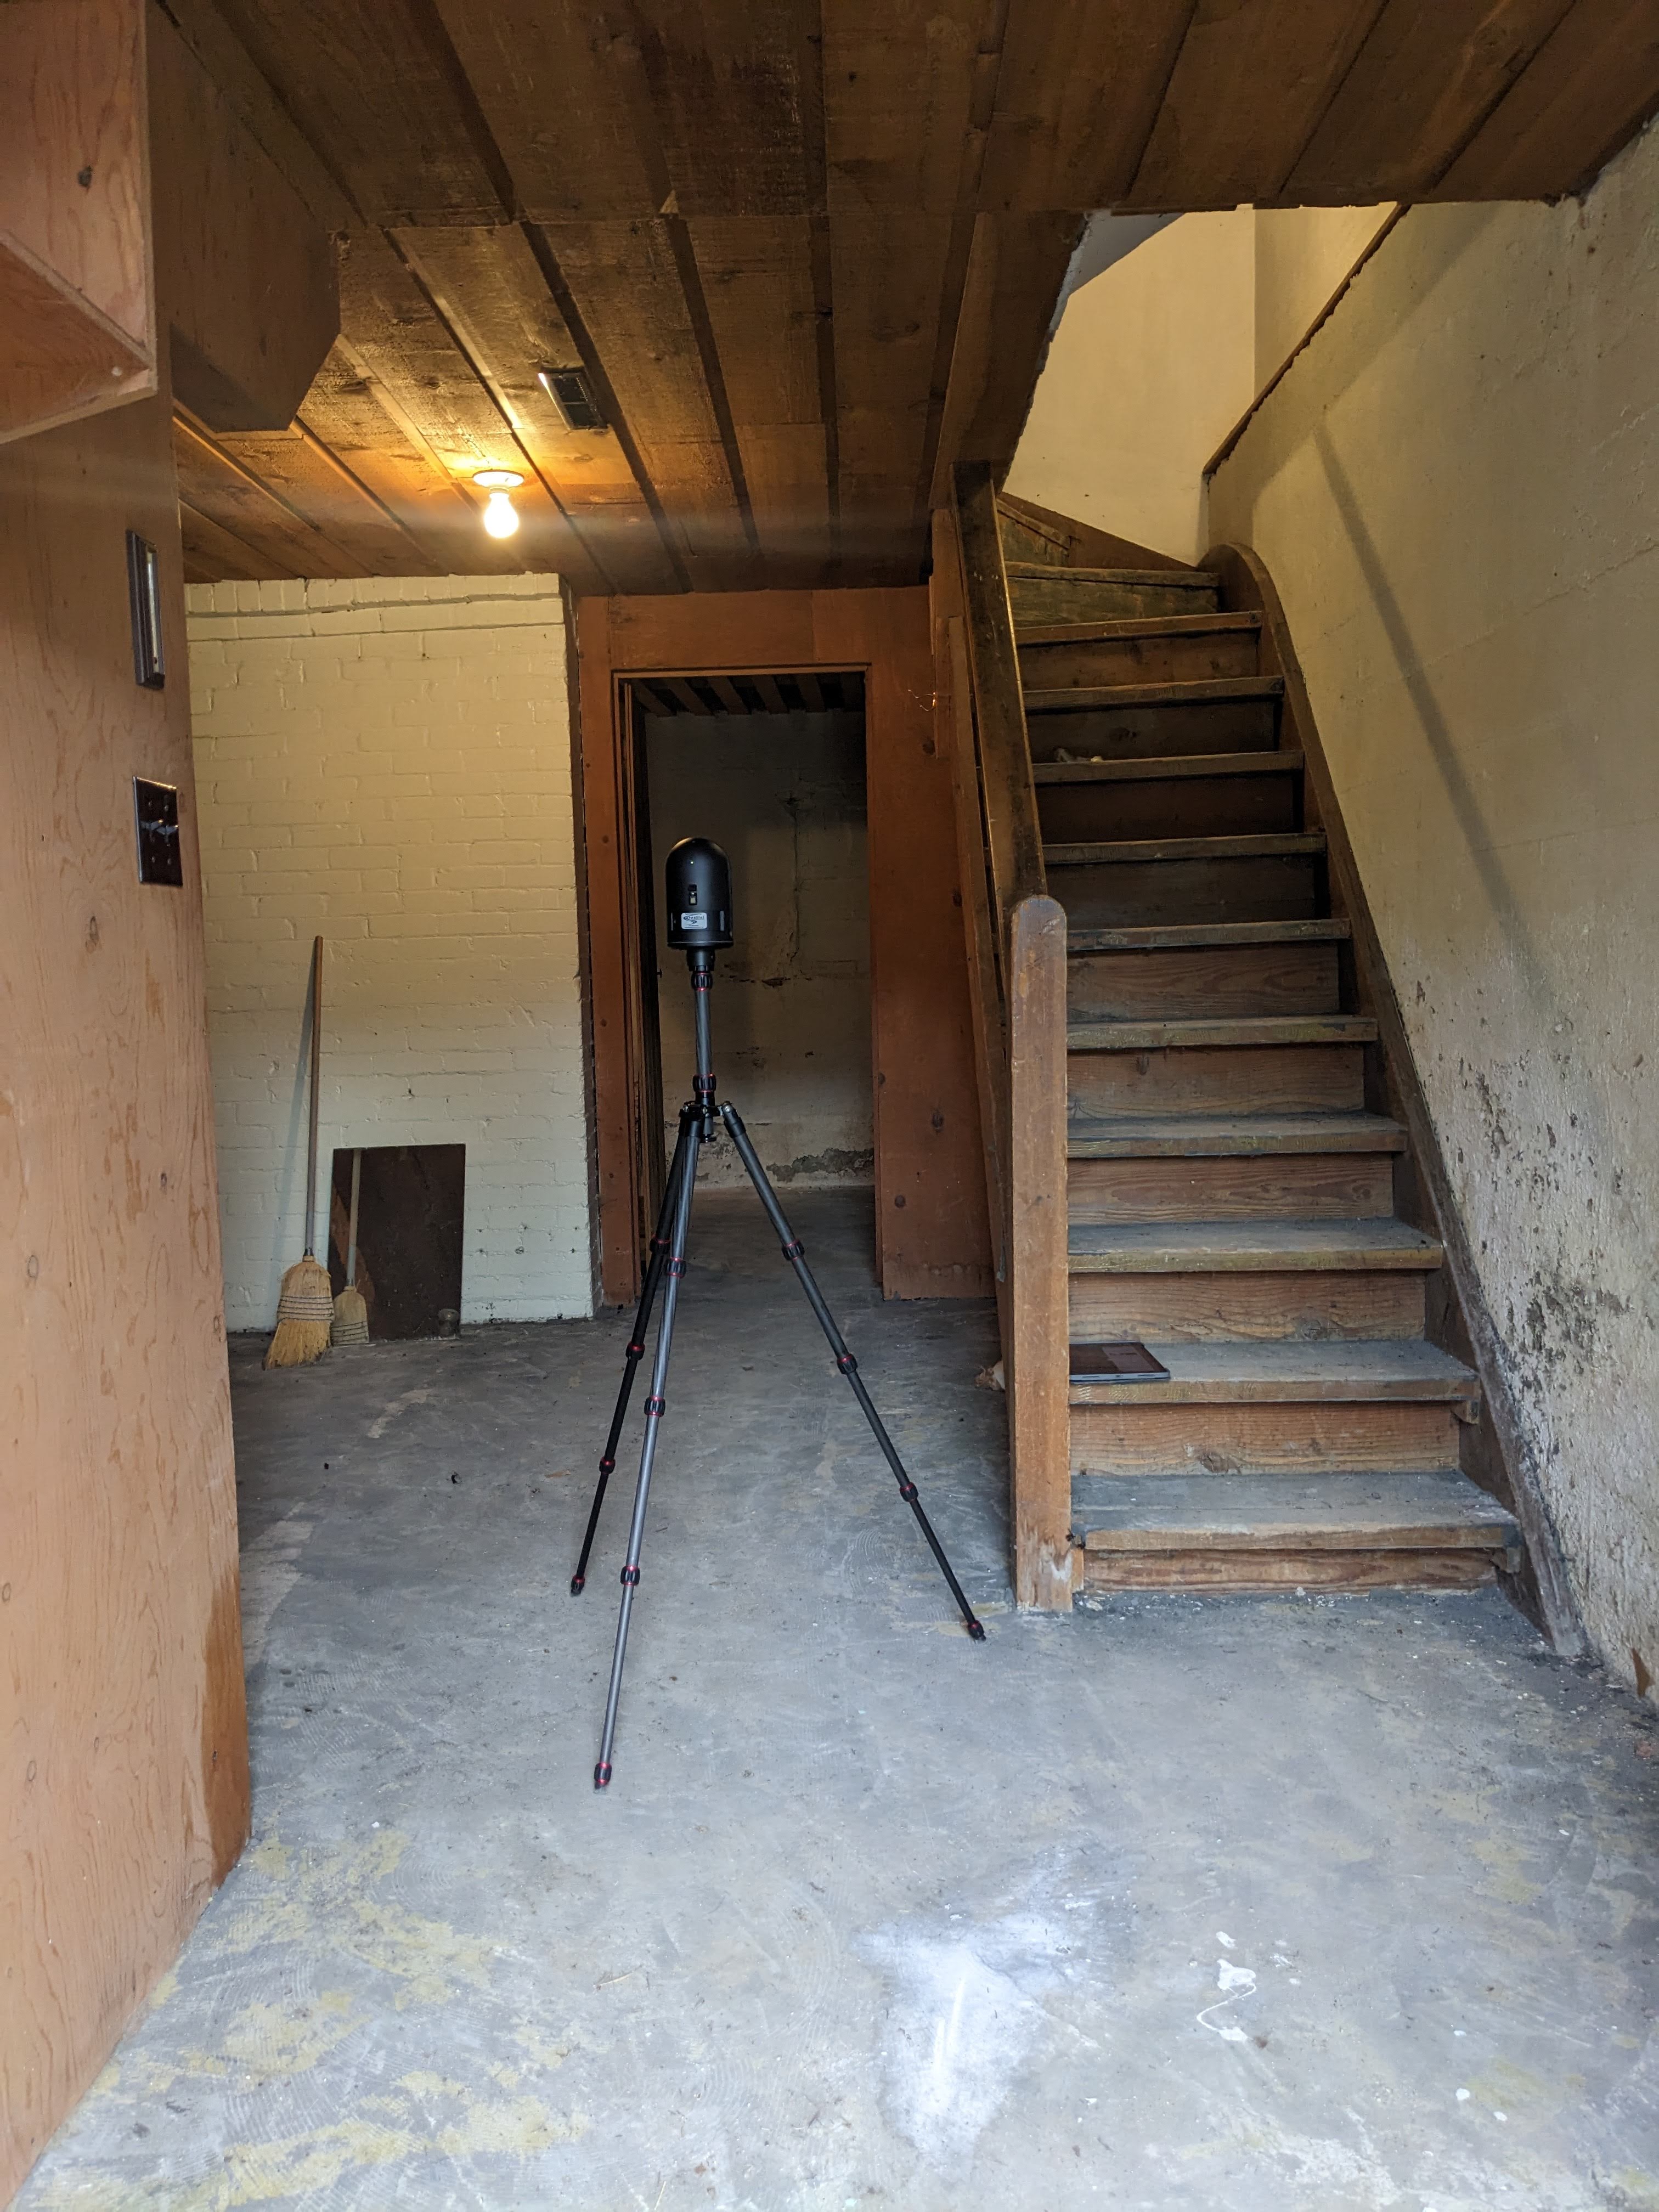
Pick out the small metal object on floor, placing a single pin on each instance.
(699, 923)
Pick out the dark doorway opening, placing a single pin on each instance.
(411, 1225)
(772, 767)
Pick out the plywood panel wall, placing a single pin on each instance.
(123, 1738)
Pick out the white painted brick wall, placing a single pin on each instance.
(387, 761)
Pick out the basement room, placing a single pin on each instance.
(826, 1118)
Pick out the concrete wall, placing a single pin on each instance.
(1302, 256)
(1152, 364)
(783, 795)
(125, 1783)
(1453, 489)
(388, 762)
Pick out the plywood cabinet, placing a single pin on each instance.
(77, 295)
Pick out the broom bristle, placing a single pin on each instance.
(304, 1313)
(350, 1316)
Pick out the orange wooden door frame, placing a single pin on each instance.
(932, 1236)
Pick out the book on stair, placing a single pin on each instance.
(1116, 1363)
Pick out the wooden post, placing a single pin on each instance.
(1039, 1366)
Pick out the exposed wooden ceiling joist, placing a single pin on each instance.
(806, 254)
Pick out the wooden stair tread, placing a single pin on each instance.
(1132, 626)
(1188, 580)
(1214, 1136)
(1198, 691)
(1159, 937)
(1267, 845)
(1273, 1512)
(1278, 1372)
(1165, 767)
(1180, 1248)
(1106, 1034)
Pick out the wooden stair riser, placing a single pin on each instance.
(1206, 1309)
(1189, 806)
(1058, 596)
(1186, 657)
(1190, 980)
(1270, 1186)
(1146, 731)
(1251, 1078)
(1310, 1438)
(1245, 1572)
(1135, 894)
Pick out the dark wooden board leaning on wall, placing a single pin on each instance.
(933, 1237)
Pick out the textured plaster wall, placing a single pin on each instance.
(1152, 364)
(388, 762)
(1302, 256)
(783, 796)
(1454, 488)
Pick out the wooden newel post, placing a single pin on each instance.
(1039, 1362)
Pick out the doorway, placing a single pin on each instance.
(771, 767)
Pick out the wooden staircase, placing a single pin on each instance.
(1230, 1182)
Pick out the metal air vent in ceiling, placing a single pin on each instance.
(571, 393)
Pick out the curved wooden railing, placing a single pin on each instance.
(1015, 937)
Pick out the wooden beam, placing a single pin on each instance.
(728, 694)
(216, 485)
(1428, 78)
(376, 88)
(1211, 148)
(244, 273)
(771, 698)
(647, 700)
(757, 283)
(1078, 96)
(1004, 752)
(1588, 90)
(689, 700)
(811, 691)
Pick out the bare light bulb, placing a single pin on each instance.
(501, 517)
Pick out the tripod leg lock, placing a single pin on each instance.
(655, 1408)
(908, 1491)
(676, 1267)
(846, 1362)
(602, 1775)
(635, 1349)
(630, 1577)
(607, 1465)
(795, 1251)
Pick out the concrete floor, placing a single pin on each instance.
(1248, 1904)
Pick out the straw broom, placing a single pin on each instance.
(351, 1308)
(305, 1309)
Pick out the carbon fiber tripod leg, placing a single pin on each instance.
(655, 1406)
(794, 1253)
(635, 1351)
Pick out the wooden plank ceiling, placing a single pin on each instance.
(806, 252)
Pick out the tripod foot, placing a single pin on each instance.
(578, 1584)
(602, 1775)
(976, 1629)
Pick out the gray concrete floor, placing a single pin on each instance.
(1236, 1904)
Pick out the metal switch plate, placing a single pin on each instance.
(156, 806)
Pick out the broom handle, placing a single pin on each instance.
(316, 1088)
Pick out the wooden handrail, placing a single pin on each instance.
(1004, 752)
(1015, 941)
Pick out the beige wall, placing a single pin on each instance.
(388, 762)
(1157, 359)
(1152, 364)
(123, 1737)
(1454, 491)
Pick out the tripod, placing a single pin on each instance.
(665, 1271)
